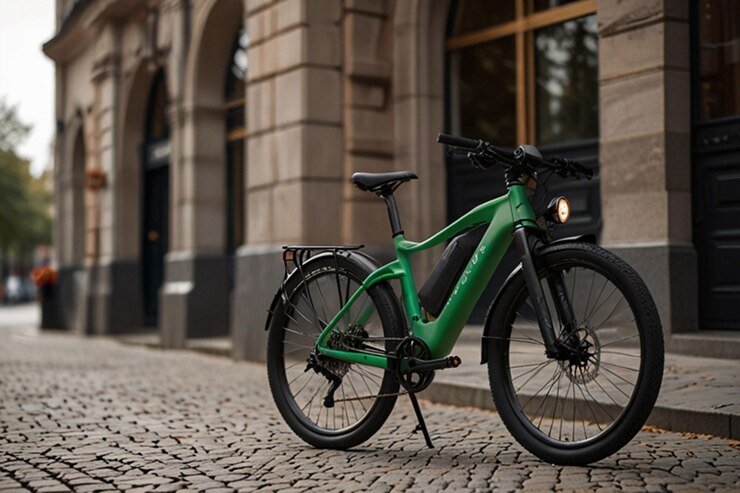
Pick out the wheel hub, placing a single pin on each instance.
(583, 352)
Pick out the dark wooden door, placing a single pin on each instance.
(717, 221)
(716, 160)
(155, 226)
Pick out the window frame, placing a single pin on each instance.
(523, 27)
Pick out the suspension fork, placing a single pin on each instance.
(537, 294)
(563, 304)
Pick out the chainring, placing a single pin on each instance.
(413, 381)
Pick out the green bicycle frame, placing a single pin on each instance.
(504, 215)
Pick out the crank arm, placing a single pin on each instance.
(416, 365)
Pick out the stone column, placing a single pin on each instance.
(368, 123)
(111, 278)
(194, 297)
(294, 150)
(645, 149)
(419, 28)
(60, 233)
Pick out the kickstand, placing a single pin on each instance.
(421, 426)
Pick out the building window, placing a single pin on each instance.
(234, 102)
(524, 71)
(718, 23)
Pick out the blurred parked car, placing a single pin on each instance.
(19, 289)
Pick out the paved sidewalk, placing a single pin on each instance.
(90, 414)
(700, 395)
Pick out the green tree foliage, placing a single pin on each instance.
(25, 201)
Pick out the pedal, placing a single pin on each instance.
(454, 361)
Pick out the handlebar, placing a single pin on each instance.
(458, 141)
(527, 158)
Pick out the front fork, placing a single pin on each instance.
(554, 347)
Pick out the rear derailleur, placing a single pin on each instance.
(334, 370)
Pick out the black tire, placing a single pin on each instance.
(627, 412)
(353, 269)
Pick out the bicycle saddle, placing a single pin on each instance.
(382, 182)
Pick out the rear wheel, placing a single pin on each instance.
(366, 396)
(585, 408)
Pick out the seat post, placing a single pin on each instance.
(390, 201)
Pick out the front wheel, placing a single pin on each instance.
(582, 409)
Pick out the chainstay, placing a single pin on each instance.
(366, 397)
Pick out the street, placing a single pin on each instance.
(94, 415)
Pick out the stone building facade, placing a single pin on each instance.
(195, 137)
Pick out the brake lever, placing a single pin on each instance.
(570, 167)
(481, 162)
(457, 150)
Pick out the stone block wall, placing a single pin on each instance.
(645, 120)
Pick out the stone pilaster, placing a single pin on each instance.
(108, 290)
(294, 150)
(645, 149)
(419, 28)
(368, 121)
(194, 296)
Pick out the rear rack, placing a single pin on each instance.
(300, 254)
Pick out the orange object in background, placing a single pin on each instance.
(43, 276)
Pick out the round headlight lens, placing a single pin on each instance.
(559, 210)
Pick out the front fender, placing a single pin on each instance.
(539, 253)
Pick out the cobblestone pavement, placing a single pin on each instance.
(94, 415)
(701, 393)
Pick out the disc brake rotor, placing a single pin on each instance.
(583, 366)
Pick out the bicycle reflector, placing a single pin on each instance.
(559, 210)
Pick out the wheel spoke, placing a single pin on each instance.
(533, 375)
(619, 340)
(528, 340)
(619, 366)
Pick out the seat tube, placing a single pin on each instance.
(536, 293)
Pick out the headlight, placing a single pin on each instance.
(559, 210)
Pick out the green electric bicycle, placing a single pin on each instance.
(573, 340)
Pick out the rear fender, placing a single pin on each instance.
(366, 261)
(540, 253)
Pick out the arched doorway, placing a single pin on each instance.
(155, 219)
(523, 71)
(234, 100)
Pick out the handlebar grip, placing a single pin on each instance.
(575, 167)
(585, 171)
(457, 141)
